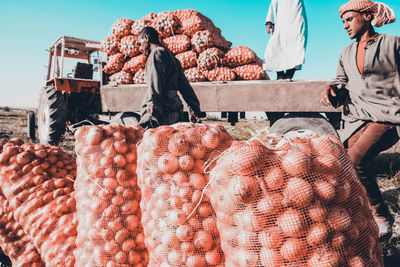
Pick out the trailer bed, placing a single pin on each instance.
(271, 96)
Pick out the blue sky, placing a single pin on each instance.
(29, 27)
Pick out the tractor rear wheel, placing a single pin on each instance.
(52, 115)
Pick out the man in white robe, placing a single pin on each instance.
(287, 23)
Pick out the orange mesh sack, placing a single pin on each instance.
(107, 197)
(122, 77)
(204, 39)
(195, 75)
(251, 72)
(115, 63)
(187, 59)
(297, 203)
(110, 45)
(37, 180)
(139, 77)
(177, 43)
(122, 27)
(128, 46)
(166, 24)
(135, 63)
(139, 24)
(193, 21)
(239, 55)
(13, 240)
(179, 222)
(222, 74)
(210, 58)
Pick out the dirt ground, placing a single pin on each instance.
(13, 123)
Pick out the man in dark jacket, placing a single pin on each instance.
(164, 77)
(369, 70)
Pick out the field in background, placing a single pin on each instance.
(13, 123)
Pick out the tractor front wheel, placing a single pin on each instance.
(52, 115)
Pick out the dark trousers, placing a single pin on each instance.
(364, 146)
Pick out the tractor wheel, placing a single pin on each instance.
(31, 125)
(292, 122)
(52, 115)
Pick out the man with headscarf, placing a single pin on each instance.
(164, 77)
(368, 85)
(287, 23)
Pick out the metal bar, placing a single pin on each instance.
(55, 60)
(62, 57)
(297, 96)
(49, 64)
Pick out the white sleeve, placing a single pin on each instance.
(273, 8)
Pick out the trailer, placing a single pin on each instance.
(298, 100)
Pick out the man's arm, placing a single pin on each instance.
(188, 94)
(270, 19)
(329, 93)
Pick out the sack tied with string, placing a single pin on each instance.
(13, 240)
(114, 63)
(210, 58)
(220, 74)
(251, 72)
(187, 59)
(178, 220)
(202, 40)
(128, 46)
(195, 75)
(37, 181)
(110, 45)
(138, 78)
(122, 77)
(122, 27)
(177, 43)
(135, 63)
(107, 197)
(298, 203)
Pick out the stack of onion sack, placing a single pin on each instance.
(107, 197)
(179, 223)
(37, 180)
(13, 240)
(298, 204)
(186, 33)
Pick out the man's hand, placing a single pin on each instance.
(270, 28)
(328, 91)
(194, 118)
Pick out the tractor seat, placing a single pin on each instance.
(83, 71)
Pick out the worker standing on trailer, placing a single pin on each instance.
(369, 71)
(164, 77)
(287, 24)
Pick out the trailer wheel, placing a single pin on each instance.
(52, 114)
(31, 125)
(293, 122)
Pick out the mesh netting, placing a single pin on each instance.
(128, 46)
(166, 23)
(195, 75)
(177, 43)
(110, 44)
(187, 59)
(178, 220)
(251, 72)
(13, 240)
(139, 77)
(138, 25)
(220, 74)
(122, 77)
(297, 203)
(239, 55)
(107, 197)
(202, 40)
(210, 58)
(114, 64)
(121, 27)
(37, 180)
(135, 63)
(193, 21)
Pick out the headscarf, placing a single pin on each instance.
(382, 13)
